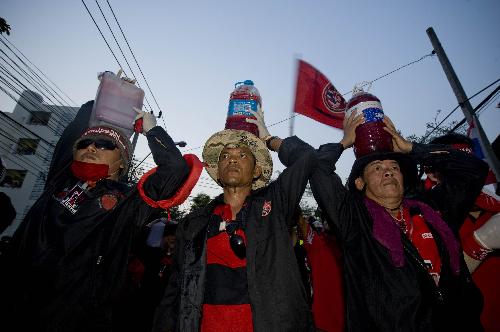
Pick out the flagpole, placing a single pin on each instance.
(296, 57)
(464, 103)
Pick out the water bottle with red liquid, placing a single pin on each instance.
(244, 97)
(370, 135)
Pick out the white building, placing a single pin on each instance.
(27, 140)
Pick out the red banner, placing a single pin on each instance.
(317, 98)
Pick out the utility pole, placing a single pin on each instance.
(464, 103)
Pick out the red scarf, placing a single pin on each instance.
(89, 172)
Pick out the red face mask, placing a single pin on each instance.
(88, 171)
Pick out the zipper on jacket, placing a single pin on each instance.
(418, 260)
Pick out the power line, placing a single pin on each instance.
(61, 116)
(40, 80)
(26, 77)
(35, 153)
(21, 104)
(121, 51)
(2, 113)
(486, 102)
(43, 85)
(26, 162)
(135, 59)
(102, 35)
(35, 106)
(30, 80)
(40, 71)
(453, 110)
(293, 116)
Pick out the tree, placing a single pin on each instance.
(4, 27)
(435, 129)
(199, 201)
(176, 213)
(136, 171)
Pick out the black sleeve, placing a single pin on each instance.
(300, 159)
(172, 168)
(462, 178)
(329, 191)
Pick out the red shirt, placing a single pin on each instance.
(227, 270)
(421, 237)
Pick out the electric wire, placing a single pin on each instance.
(136, 62)
(36, 153)
(35, 106)
(40, 80)
(2, 113)
(41, 72)
(102, 35)
(47, 150)
(121, 51)
(480, 107)
(19, 102)
(61, 114)
(456, 107)
(26, 162)
(59, 120)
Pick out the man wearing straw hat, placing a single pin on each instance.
(235, 268)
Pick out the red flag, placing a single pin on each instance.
(317, 98)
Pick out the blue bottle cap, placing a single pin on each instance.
(248, 82)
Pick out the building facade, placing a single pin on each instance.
(27, 140)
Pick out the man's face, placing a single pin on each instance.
(94, 155)
(383, 180)
(237, 167)
(169, 242)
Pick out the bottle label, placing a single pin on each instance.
(372, 110)
(241, 107)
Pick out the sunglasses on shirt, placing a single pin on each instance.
(236, 242)
(100, 144)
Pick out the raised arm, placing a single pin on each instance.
(327, 186)
(300, 160)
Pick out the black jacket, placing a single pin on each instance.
(462, 176)
(68, 270)
(380, 296)
(277, 296)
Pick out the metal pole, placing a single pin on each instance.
(464, 102)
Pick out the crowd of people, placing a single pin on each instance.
(392, 249)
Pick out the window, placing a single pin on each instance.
(14, 178)
(39, 118)
(27, 146)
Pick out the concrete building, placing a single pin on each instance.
(28, 136)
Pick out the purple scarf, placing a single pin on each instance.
(388, 234)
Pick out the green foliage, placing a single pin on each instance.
(176, 213)
(4, 27)
(199, 201)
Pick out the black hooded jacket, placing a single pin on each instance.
(379, 295)
(66, 271)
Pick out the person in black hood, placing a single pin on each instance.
(403, 267)
(68, 262)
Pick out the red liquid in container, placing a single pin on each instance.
(370, 136)
(244, 97)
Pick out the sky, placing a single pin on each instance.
(192, 53)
